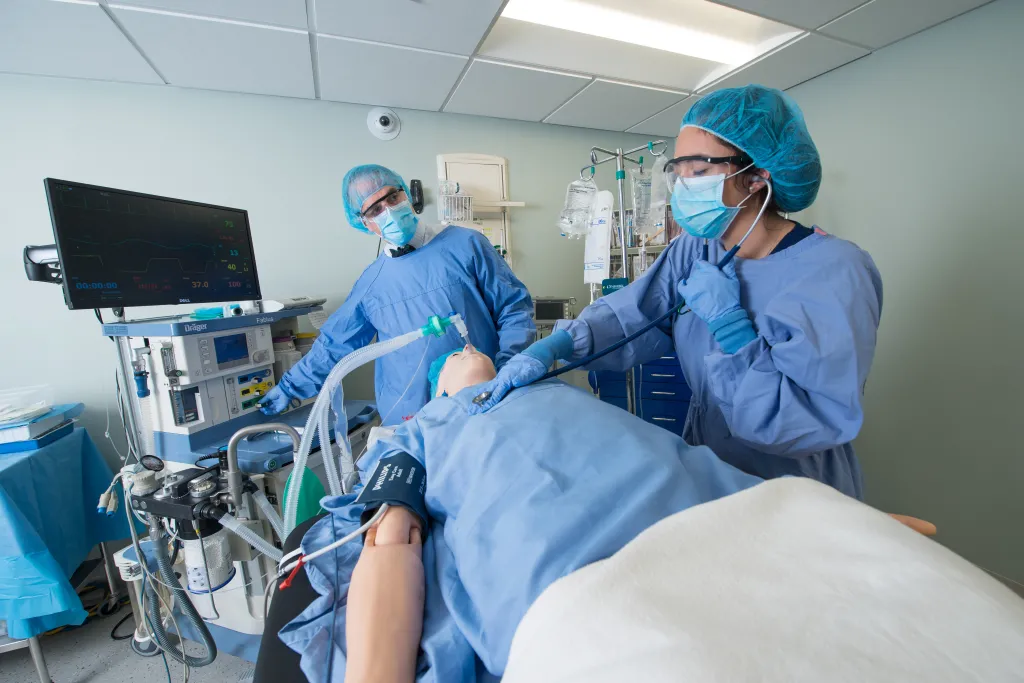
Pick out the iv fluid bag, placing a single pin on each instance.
(574, 221)
(659, 188)
(641, 183)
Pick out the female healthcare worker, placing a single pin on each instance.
(780, 341)
(426, 270)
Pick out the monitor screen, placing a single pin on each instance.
(548, 310)
(230, 348)
(121, 248)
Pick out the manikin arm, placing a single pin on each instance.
(385, 602)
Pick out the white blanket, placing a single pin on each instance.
(787, 581)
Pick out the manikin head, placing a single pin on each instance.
(460, 369)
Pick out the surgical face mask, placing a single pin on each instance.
(397, 224)
(698, 208)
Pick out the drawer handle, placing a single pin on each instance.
(657, 374)
(663, 419)
(663, 393)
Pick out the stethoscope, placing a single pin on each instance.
(680, 310)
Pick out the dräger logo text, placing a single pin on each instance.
(195, 327)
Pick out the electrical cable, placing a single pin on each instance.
(206, 568)
(266, 596)
(146, 574)
(337, 544)
(113, 631)
(149, 624)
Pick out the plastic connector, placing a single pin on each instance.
(101, 506)
(112, 505)
(436, 326)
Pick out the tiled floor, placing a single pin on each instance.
(88, 655)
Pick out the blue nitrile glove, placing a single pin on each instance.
(276, 401)
(524, 368)
(714, 295)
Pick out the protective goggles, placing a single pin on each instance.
(689, 168)
(390, 200)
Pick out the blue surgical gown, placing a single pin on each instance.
(788, 402)
(458, 270)
(545, 483)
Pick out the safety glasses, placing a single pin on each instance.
(390, 200)
(689, 168)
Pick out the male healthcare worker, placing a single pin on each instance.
(778, 343)
(425, 270)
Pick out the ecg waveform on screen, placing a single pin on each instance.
(140, 248)
(197, 262)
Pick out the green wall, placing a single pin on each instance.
(921, 144)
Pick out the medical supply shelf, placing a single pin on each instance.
(663, 397)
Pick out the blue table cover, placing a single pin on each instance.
(48, 525)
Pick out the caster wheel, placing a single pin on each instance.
(110, 607)
(147, 648)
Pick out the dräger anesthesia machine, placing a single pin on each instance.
(206, 475)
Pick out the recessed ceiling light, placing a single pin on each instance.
(625, 26)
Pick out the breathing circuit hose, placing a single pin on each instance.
(184, 604)
(248, 535)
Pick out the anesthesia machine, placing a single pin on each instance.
(207, 474)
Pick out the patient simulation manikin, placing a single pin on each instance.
(547, 482)
(517, 499)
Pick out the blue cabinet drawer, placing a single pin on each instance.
(665, 392)
(618, 402)
(616, 388)
(609, 376)
(671, 360)
(672, 424)
(669, 415)
(654, 408)
(663, 374)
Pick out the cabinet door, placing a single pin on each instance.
(485, 179)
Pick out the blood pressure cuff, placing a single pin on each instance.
(399, 479)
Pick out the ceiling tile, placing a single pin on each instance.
(808, 14)
(543, 46)
(613, 106)
(351, 71)
(222, 55)
(290, 13)
(882, 22)
(65, 39)
(666, 123)
(512, 92)
(455, 26)
(810, 56)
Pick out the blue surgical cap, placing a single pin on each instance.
(435, 371)
(767, 125)
(360, 183)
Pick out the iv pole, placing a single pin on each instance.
(620, 158)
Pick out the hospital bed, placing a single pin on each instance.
(786, 581)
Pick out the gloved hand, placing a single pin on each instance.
(276, 401)
(714, 296)
(525, 368)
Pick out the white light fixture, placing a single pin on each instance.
(616, 24)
